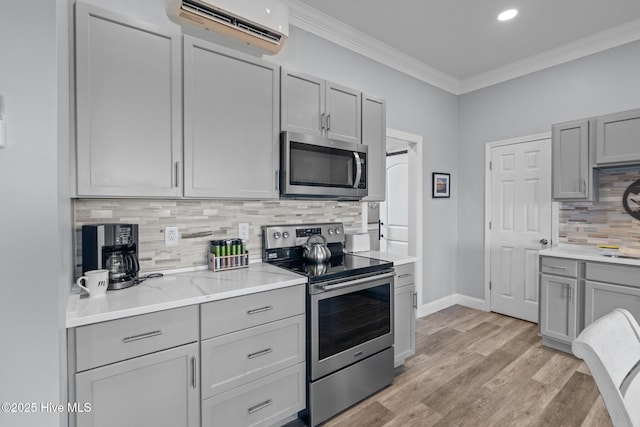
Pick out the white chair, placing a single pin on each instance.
(610, 347)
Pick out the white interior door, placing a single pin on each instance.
(394, 211)
(520, 223)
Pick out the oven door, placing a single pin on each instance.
(350, 321)
(320, 167)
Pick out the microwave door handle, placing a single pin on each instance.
(358, 169)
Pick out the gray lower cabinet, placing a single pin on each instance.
(318, 107)
(404, 327)
(559, 302)
(617, 139)
(141, 370)
(610, 286)
(253, 358)
(572, 175)
(374, 135)
(159, 389)
(128, 106)
(231, 123)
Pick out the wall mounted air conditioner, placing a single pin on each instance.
(261, 23)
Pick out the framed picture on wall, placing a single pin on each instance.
(441, 185)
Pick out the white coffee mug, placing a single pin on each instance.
(95, 282)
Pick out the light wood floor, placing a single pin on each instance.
(473, 368)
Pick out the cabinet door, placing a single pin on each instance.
(617, 138)
(129, 93)
(302, 103)
(374, 134)
(558, 306)
(570, 159)
(231, 123)
(160, 389)
(601, 298)
(404, 328)
(343, 115)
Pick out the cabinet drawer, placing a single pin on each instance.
(233, 314)
(404, 275)
(559, 266)
(234, 359)
(108, 342)
(614, 273)
(260, 403)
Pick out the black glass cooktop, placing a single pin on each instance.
(339, 266)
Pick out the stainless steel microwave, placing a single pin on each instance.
(317, 167)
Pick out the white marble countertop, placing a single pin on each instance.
(386, 256)
(178, 290)
(586, 253)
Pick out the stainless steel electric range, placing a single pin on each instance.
(349, 317)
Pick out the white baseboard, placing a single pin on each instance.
(448, 301)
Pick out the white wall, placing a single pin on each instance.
(598, 84)
(34, 209)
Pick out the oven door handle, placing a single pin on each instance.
(334, 286)
(358, 169)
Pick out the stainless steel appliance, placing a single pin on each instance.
(317, 167)
(113, 247)
(349, 317)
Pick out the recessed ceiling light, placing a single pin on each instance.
(507, 14)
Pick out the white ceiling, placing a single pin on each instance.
(461, 43)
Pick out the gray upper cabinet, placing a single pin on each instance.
(572, 176)
(230, 123)
(317, 107)
(618, 139)
(129, 92)
(343, 114)
(374, 134)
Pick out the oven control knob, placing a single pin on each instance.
(337, 231)
(276, 235)
(330, 231)
(285, 235)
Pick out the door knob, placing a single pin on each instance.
(544, 241)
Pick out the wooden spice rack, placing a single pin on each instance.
(228, 262)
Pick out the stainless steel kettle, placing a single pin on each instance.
(316, 250)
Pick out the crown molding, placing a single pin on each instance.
(585, 46)
(322, 25)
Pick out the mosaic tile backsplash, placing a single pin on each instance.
(604, 221)
(200, 221)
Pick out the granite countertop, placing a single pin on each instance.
(586, 253)
(178, 290)
(386, 256)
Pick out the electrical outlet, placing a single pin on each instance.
(243, 231)
(171, 236)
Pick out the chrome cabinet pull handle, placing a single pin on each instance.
(193, 372)
(260, 406)
(328, 122)
(415, 300)
(259, 353)
(177, 165)
(553, 267)
(322, 122)
(260, 310)
(405, 275)
(142, 336)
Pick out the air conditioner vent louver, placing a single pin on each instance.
(230, 20)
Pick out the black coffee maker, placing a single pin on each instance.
(112, 247)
